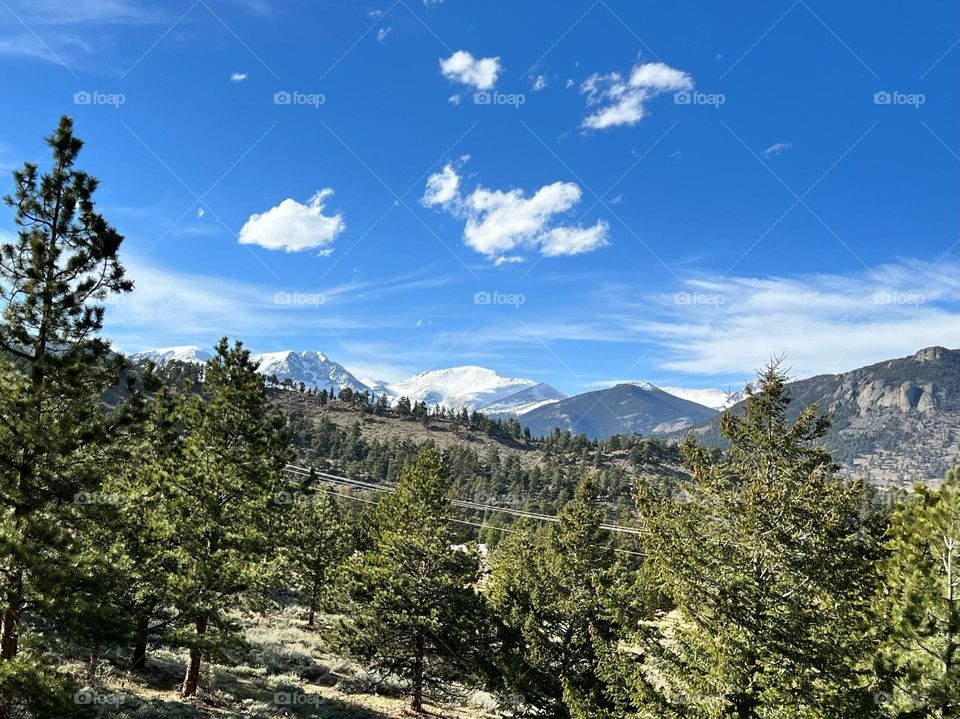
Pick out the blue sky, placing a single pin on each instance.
(671, 192)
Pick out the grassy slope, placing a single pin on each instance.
(284, 671)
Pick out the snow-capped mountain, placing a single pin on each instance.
(314, 369)
(526, 400)
(713, 398)
(460, 387)
(186, 353)
(379, 387)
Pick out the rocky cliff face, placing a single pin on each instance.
(895, 422)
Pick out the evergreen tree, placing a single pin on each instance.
(920, 602)
(136, 538)
(234, 454)
(415, 613)
(761, 555)
(54, 370)
(549, 590)
(318, 540)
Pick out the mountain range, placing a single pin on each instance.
(639, 406)
(895, 422)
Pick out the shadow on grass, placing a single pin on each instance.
(226, 693)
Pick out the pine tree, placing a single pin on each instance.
(415, 613)
(920, 603)
(550, 591)
(234, 454)
(770, 577)
(54, 370)
(136, 538)
(318, 540)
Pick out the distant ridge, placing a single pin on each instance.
(895, 422)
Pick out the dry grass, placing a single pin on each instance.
(285, 673)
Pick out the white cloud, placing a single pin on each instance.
(821, 323)
(777, 148)
(478, 73)
(442, 187)
(499, 222)
(574, 240)
(383, 33)
(168, 308)
(620, 101)
(238, 77)
(293, 227)
(454, 100)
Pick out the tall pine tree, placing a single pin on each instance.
(234, 453)
(762, 556)
(550, 590)
(54, 368)
(414, 610)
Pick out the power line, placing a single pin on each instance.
(471, 524)
(464, 504)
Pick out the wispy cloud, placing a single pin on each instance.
(821, 323)
(623, 101)
(716, 330)
(170, 308)
(777, 148)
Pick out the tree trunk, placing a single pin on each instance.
(10, 635)
(953, 621)
(416, 700)
(311, 616)
(138, 661)
(192, 680)
(9, 639)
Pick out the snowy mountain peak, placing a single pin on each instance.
(708, 396)
(183, 353)
(713, 398)
(314, 369)
(526, 400)
(469, 387)
(646, 385)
